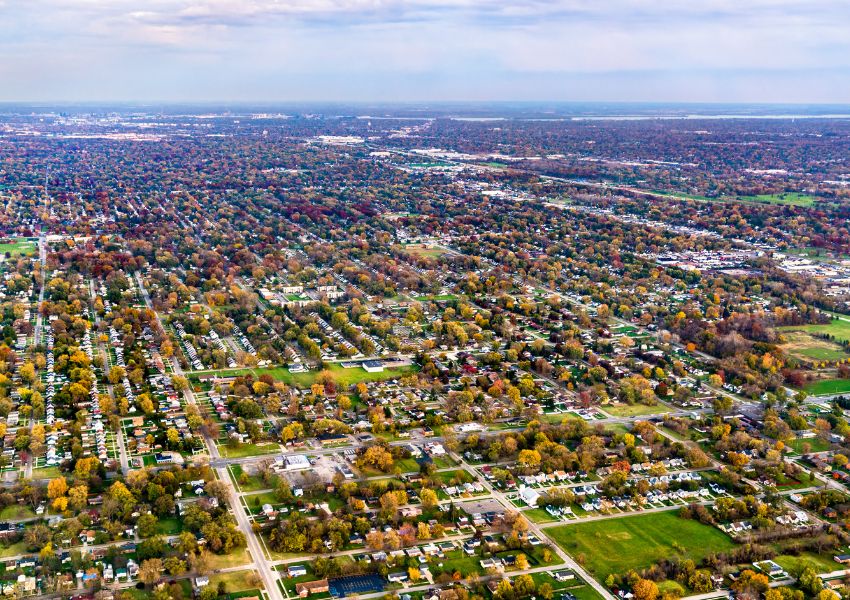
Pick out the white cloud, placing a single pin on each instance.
(415, 47)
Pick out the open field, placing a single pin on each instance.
(16, 511)
(805, 346)
(343, 377)
(634, 410)
(815, 444)
(234, 559)
(789, 198)
(439, 298)
(244, 450)
(837, 328)
(617, 545)
(826, 387)
(424, 250)
(235, 581)
(17, 247)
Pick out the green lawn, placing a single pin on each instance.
(790, 198)
(439, 298)
(838, 328)
(821, 564)
(13, 550)
(46, 473)
(18, 247)
(816, 444)
(618, 544)
(804, 344)
(343, 377)
(634, 410)
(538, 515)
(823, 387)
(254, 483)
(247, 450)
(234, 581)
(16, 511)
(234, 559)
(424, 250)
(170, 526)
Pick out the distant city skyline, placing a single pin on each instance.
(765, 51)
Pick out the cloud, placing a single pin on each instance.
(423, 48)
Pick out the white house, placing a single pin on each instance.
(529, 495)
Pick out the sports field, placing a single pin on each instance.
(616, 545)
(425, 250)
(826, 387)
(17, 247)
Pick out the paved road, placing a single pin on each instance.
(39, 320)
(536, 530)
(119, 436)
(262, 565)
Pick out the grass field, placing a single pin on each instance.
(538, 515)
(439, 298)
(46, 473)
(343, 377)
(804, 345)
(169, 526)
(13, 549)
(838, 328)
(815, 444)
(16, 511)
(234, 559)
(254, 483)
(826, 387)
(234, 581)
(789, 198)
(821, 564)
(634, 410)
(424, 250)
(244, 450)
(617, 545)
(18, 247)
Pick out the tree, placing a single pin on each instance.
(529, 458)
(181, 384)
(147, 525)
(57, 488)
(428, 498)
(78, 497)
(217, 489)
(751, 582)
(524, 586)
(521, 562)
(150, 570)
(36, 536)
(174, 565)
(645, 589)
(201, 562)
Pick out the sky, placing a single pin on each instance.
(765, 51)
